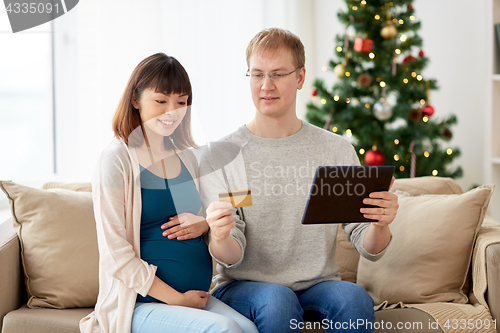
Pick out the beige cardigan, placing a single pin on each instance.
(116, 192)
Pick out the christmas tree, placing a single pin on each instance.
(381, 101)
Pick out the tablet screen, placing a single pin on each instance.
(337, 192)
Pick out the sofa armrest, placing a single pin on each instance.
(493, 276)
(12, 290)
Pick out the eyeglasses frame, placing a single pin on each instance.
(271, 77)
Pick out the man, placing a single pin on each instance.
(272, 268)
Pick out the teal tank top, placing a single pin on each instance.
(183, 265)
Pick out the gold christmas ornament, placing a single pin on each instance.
(339, 70)
(389, 31)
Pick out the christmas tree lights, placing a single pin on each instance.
(381, 100)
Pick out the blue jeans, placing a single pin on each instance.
(216, 317)
(338, 306)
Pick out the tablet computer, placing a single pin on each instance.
(337, 192)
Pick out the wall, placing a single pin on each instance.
(454, 39)
(99, 43)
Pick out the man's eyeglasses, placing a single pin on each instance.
(275, 76)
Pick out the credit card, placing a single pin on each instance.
(241, 198)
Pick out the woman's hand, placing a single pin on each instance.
(388, 207)
(194, 299)
(185, 226)
(163, 292)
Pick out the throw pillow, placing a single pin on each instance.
(431, 249)
(427, 185)
(346, 256)
(78, 187)
(57, 233)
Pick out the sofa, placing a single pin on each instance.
(25, 307)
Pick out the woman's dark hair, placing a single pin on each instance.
(165, 75)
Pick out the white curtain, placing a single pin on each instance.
(98, 44)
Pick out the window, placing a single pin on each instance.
(26, 106)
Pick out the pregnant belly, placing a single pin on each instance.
(183, 265)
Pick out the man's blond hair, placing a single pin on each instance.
(274, 39)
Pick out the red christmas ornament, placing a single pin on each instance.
(421, 53)
(410, 6)
(428, 110)
(363, 45)
(314, 92)
(374, 157)
(408, 59)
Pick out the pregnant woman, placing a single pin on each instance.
(145, 179)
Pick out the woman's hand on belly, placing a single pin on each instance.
(194, 299)
(185, 226)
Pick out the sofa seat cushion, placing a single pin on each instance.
(392, 321)
(65, 321)
(409, 320)
(44, 320)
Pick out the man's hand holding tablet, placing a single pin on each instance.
(387, 206)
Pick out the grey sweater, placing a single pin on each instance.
(275, 246)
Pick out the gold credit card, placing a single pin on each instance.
(241, 198)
